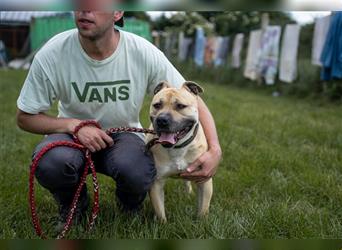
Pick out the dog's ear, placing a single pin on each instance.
(160, 86)
(193, 87)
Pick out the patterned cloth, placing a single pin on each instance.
(289, 50)
(210, 49)
(221, 53)
(237, 47)
(269, 51)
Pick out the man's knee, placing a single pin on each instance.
(60, 168)
(135, 174)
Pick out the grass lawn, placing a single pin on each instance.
(280, 176)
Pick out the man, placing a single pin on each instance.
(100, 73)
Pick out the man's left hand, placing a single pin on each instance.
(204, 167)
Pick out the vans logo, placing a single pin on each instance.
(103, 91)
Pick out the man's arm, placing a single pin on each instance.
(93, 138)
(209, 127)
(205, 166)
(45, 124)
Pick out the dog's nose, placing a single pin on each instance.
(163, 121)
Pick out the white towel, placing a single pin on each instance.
(253, 54)
(319, 36)
(269, 52)
(289, 50)
(237, 47)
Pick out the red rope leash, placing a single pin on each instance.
(89, 164)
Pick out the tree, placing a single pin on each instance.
(223, 23)
(184, 21)
(141, 15)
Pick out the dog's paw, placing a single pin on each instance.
(202, 214)
(162, 220)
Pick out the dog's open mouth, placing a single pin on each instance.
(168, 139)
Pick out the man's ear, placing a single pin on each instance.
(160, 86)
(193, 87)
(117, 15)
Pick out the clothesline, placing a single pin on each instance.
(266, 52)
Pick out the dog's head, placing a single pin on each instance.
(174, 112)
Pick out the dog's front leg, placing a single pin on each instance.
(188, 187)
(204, 193)
(157, 199)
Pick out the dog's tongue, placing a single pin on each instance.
(167, 138)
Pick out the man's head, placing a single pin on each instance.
(94, 24)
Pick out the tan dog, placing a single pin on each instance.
(174, 116)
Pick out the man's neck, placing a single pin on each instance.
(103, 47)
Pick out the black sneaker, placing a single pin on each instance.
(79, 215)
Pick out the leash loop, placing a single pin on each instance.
(89, 164)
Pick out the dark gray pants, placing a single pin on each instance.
(126, 162)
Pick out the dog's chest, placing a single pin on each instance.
(177, 163)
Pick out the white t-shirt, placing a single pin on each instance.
(110, 91)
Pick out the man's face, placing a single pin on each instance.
(93, 24)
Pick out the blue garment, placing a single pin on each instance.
(199, 50)
(221, 51)
(331, 56)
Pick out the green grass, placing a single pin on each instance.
(280, 176)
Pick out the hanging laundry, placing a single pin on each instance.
(319, 36)
(209, 51)
(331, 57)
(269, 52)
(237, 47)
(199, 49)
(289, 51)
(221, 53)
(253, 54)
(217, 45)
(184, 47)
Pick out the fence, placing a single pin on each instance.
(43, 28)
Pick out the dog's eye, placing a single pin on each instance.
(157, 105)
(181, 106)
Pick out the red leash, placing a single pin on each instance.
(89, 164)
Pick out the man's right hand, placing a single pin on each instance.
(91, 137)
(94, 138)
